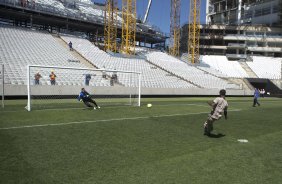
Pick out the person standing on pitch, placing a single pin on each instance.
(37, 77)
(84, 97)
(256, 96)
(52, 78)
(219, 106)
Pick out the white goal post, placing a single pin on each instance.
(2, 84)
(60, 89)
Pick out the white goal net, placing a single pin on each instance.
(51, 87)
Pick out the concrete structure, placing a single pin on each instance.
(240, 28)
(237, 12)
(237, 41)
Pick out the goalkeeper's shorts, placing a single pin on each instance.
(88, 104)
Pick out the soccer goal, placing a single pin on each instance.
(54, 87)
(2, 89)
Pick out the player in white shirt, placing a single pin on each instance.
(219, 106)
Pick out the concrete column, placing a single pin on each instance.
(207, 12)
(31, 21)
(237, 50)
(145, 41)
(239, 12)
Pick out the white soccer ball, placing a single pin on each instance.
(149, 105)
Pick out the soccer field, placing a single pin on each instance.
(136, 145)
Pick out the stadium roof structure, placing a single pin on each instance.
(29, 15)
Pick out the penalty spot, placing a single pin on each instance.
(243, 140)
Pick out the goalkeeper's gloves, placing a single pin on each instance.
(87, 95)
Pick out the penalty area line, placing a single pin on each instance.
(107, 120)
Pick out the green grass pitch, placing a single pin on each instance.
(163, 144)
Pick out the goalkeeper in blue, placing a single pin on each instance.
(219, 107)
(84, 97)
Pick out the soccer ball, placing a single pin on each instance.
(149, 105)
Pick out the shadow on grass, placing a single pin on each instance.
(88, 108)
(219, 135)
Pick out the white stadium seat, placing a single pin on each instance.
(151, 76)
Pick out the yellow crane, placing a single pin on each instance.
(128, 27)
(194, 31)
(110, 28)
(174, 40)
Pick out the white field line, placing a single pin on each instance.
(107, 120)
(107, 107)
(184, 105)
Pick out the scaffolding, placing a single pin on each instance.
(174, 42)
(194, 32)
(110, 28)
(128, 27)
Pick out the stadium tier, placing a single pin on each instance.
(223, 66)
(152, 76)
(191, 73)
(20, 47)
(266, 67)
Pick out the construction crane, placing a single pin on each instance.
(110, 28)
(128, 27)
(194, 31)
(174, 41)
(147, 11)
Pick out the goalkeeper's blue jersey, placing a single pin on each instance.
(82, 95)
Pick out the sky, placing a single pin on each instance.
(159, 14)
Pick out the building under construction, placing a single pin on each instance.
(237, 12)
(239, 29)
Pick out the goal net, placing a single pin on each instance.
(51, 87)
(2, 84)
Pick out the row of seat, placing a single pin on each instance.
(186, 71)
(266, 67)
(21, 47)
(221, 66)
(151, 76)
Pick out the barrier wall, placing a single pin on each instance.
(21, 90)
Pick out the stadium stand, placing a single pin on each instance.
(20, 47)
(152, 76)
(191, 73)
(266, 67)
(221, 66)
